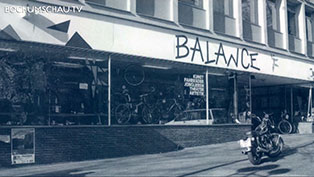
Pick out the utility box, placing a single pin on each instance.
(305, 127)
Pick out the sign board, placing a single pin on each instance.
(195, 85)
(23, 145)
(83, 86)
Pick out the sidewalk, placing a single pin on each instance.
(189, 161)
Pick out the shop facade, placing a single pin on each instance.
(115, 86)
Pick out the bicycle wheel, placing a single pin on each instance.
(122, 114)
(284, 127)
(134, 75)
(147, 115)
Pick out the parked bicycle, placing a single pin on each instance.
(284, 126)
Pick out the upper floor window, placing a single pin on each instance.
(96, 2)
(292, 22)
(273, 15)
(113, 4)
(192, 13)
(250, 11)
(195, 3)
(224, 7)
(155, 8)
(309, 29)
(145, 7)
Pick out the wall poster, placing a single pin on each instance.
(23, 145)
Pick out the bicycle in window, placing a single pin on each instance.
(134, 75)
(170, 109)
(135, 111)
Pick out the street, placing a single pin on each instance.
(211, 160)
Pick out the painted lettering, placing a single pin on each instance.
(274, 64)
(248, 59)
(242, 58)
(218, 54)
(197, 47)
(235, 60)
(252, 55)
(207, 58)
(178, 46)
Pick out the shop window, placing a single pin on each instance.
(191, 13)
(243, 92)
(37, 91)
(157, 93)
(220, 99)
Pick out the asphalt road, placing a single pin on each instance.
(212, 160)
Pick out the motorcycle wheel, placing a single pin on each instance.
(277, 149)
(254, 157)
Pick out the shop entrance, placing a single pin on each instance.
(286, 100)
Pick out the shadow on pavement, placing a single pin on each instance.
(70, 173)
(287, 151)
(257, 168)
(252, 171)
(210, 168)
(249, 171)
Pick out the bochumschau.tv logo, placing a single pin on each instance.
(42, 9)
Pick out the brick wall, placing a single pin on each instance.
(57, 144)
(5, 149)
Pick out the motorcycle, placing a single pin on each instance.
(262, 141)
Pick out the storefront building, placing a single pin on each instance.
(147, 76)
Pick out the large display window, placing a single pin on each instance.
(157, 93)
(53, 90)
(66, 90)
